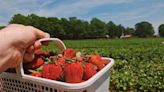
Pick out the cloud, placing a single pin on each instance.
(13, 6)
(130, 17)
(133, 14)
(10, 7)
(78, 7)
(41, 7)
(138, 14)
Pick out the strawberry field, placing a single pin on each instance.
(139, 63)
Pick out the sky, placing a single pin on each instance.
(124, 12)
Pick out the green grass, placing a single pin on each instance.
(139, 62)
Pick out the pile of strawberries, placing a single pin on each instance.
(68, 66)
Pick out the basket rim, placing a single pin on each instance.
(65, 85)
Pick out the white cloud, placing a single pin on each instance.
(133, 14)
(78, 7)
(152, 14)
(10, 7)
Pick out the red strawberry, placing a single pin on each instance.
(69, 53)
(39, 52)
(89, 71)
(37, 74)
(83, 54)
(49, 53)
(61, 60)
(80, 59)
(52, 71)
(46, 43)
(105, 61)
(96, 60)
(37, 62)
(73, 72)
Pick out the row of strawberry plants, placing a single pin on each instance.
(138, 67)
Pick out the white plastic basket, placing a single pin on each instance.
(20, 82)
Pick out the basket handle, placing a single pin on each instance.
(58, 42)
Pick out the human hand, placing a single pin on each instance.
(18, 43)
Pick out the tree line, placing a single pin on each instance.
(74, 28)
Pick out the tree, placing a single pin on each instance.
(144, 29)
(161, 30)
(77, 27)
(119, 30)
(129, 31)
(56, 28)
(20, 19)
(111, 28)
(72, 28)
(41, 23)
(2, 27)
(66, 26)
(98, 28)
(87, 30)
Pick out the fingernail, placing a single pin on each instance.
(47, 35)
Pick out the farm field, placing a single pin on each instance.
(139, 62)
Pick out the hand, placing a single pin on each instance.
(18, 43)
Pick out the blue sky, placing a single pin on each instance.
(125, 12)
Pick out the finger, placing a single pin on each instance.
(15, 25)
(39, 33)
(16, 60)
(37, 45)
(30, 49)
(28, 57)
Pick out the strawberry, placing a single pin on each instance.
(37, 62)
(61, 60)
(73, 72)
(105, 61)
(96, 60)
(89, 71)
(69, 53)
(49, 53)
(46, 43)
(52, 71)
(80, 59)
(39, 52)
(37, 74)
(83, 54)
